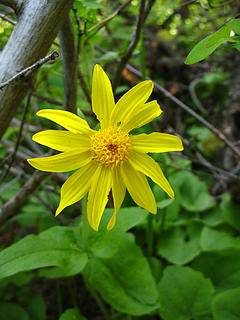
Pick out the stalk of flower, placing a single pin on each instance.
(110, 158)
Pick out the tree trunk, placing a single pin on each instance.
(38, 24)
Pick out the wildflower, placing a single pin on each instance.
(110, 158)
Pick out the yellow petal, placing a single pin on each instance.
(138, 95)
(62, 162)
(98, 195)
(144, 163)
(140, 115)
(62, 140)
(156, 142)
(138, 187)
(67, 120)
(76, 186)
(118, 192)
(102, 96)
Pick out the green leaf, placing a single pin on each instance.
(219, 36)
(91, 4)
(105, 243)
(11, 311)
(180, 246)
(184, 294)
(58, 246)
(212, 217)
(226, 305)
(194, 193)
(213, 240)
(164, 203)
(235, 24)
(222, 268)
(72, 314)
(206, 46)
(124, 280)
(230, 212)
(37, 308)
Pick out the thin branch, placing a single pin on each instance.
(58, 103)
(67, 47)
(132, 45)
(79, 72)
(94, 29)
(49, 100)
(10, 3)
(19, 136)
(12, 206)
(6, 18)
(25, 72)
(207, 124)
(194, 96)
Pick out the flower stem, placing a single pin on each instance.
(149, 235)
(59, 297)
(84, 222)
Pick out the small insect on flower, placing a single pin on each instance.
(110, 158)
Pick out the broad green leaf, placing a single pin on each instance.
(219, 35)
(222, 268)
(105, 243)
(200, 51)
(230, 212)
(164, 203)
(235, 24)
(51, 273)
(72, 314)
(213, 240)
(184, 294)
(179, 245)
(11, 311)
(194, 193)
(226, 305)
(212, 217)
(58, 246)
(124, 280)
(37, 308)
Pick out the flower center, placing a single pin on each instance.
(110, 146)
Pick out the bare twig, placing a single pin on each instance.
(10, 3)
(12, 206)
(193, 94)
(19, 136)
(79, 72)
(67, 47)
(11, 183)
(49, 100)
(207, 124)
(94, 29)
(132, 45)
(25, 72)
(6, 18)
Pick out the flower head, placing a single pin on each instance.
(110, 158)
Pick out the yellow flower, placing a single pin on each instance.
(111, 158)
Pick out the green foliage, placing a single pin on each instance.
(209, 44)
(179, 246)
(181, 264)
(12, 311)
(226, 305)
(58, 246)
(72, 314)
(184, 294)
(120, 279)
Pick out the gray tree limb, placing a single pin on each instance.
(14, 4)
(38, 24)
(11, 207)
(68, 53)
